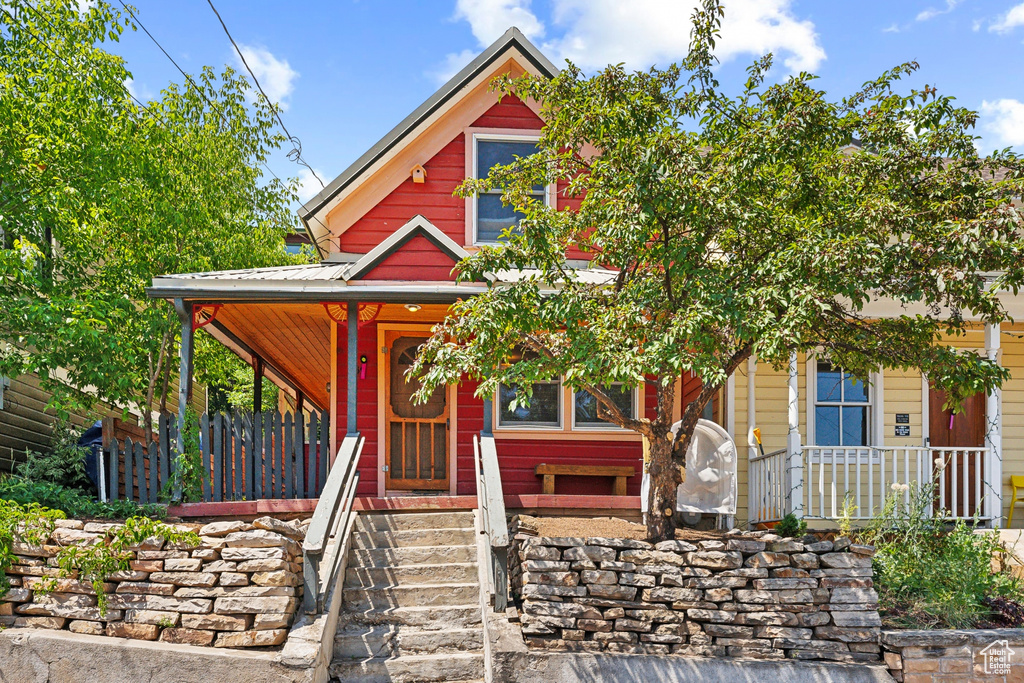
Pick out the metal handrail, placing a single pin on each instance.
(333, 513)
(492, 515)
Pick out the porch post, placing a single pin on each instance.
(753, 485)
(488, 429)
(257, 384)
(352, 361)
(993, 436)
(794, 469)
(184, 382)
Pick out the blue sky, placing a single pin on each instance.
(347, 71)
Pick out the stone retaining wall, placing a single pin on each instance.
(748, 595)
(240, 588)
(946, 656)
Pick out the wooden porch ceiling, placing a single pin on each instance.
(293, 338)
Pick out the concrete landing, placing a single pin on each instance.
(570, 667)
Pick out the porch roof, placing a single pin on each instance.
(326, 281)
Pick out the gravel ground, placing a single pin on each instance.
(606, 527)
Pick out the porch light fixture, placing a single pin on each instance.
(412, 308)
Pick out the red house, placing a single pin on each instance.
(338, 335)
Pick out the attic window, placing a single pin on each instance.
(491, 217)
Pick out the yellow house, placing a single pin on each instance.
(829, 440)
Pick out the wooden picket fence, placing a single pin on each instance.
(245, 456)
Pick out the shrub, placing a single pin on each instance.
(73, 502)
(791, 526)
(33, 524)
(94, 563)
(63, 464)
(932, 572)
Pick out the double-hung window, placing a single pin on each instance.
(545, 409)
(491, 217)
(842, 408)
(585, 413)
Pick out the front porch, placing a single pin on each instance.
(828, 483)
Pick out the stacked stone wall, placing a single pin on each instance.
(241, 587)
(747, 595)
(948, 656)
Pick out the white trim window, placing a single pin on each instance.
(490, 216)
(842, 408)
(544, 411)
(584, 414)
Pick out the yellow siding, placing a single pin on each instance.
(1012, 341)
(903, 394)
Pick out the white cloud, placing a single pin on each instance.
(138, 92)
(933, 12)
(308, 185)
(453, 63)
(85, 5)
(1010, 20)
(595, 33)
(275, 75)
(488, 19)
(645, 32)
(1004, 119)
(891, 28)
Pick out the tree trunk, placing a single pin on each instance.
(665, 480)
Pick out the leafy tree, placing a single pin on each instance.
(756, 223)
(99, 193)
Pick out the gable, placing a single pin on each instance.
(418, 259)
(428, 130)
(434, 198)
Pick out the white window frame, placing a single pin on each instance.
(604, 426)
(533, 426)
(874, 405)
(4, 383)
(496, 137)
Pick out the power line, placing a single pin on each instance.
(213, 107)
(296, 153)
(199, 90)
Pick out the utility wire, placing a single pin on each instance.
(213, 107)
(296, 153)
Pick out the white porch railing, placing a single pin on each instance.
(867, 475)
(767, 487)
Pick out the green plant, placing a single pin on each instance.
(94, 563)
(846, 515)
(73, 502)
(63, 464)
(188, 466)
(165, 622)
(931, 571)
(791, 526)
(29, 524)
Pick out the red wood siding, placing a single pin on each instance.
(433, 198)
(366, 403)
(518, 457)
(417, 259)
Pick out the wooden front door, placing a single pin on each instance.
(415, 435)
(963, 429)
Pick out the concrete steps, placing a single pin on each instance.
(411, 608)
(392, 640)
(420, 520)
(451, 572)
(461, 666)
(412, 538)
(429, 618)
(432, 594)
(399, 557)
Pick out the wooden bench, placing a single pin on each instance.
(549, 472)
